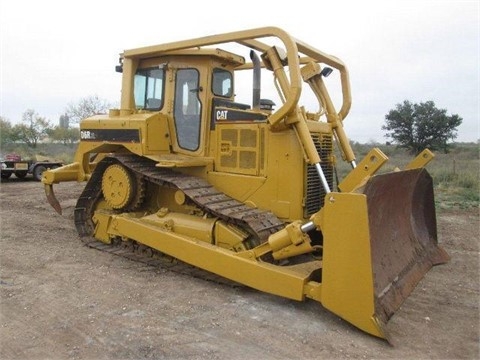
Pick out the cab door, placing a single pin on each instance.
(187, 112)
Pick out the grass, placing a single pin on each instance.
(456, 175)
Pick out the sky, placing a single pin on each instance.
(54, 53)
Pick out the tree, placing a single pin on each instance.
(68, 136)
(419, 126)
(6, 134)
(32, 128)
(86, 107)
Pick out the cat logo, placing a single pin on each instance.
(222, 114)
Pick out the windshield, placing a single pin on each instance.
(148, 89)
(222, 83)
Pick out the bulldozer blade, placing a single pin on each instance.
(52, 200)
(403, 235)
(377, 246)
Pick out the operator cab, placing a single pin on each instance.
(195, 88)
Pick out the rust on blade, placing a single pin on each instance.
(52, 200)
(403, 232)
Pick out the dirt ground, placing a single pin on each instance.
(62, 300)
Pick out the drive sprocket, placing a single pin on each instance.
(121, 189)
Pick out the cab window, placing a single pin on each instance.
(148, 89)
(222, 83)
(188, 109)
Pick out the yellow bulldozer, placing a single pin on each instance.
(186, 171)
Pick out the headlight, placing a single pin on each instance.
(4, 166)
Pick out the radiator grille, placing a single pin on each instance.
(314, 192)
(240, 149)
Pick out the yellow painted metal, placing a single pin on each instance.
(229, 237)
(129, 68)
(295, 115)
(346, 288)
(347, 276)
(283, 161)
(264, 163)
(289, 242)
(61, 174)
(241, 187)
(311, 73)
(369, 165)
(101, 220)
(157, 129)
(282, 281)
(189, 225)
(180, 161)
(277, 154)
(251, 38)
(180, 197)
(117, 186)
(239, 149)
(421, 160)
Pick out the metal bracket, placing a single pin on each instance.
(421, 160)
(364, 170)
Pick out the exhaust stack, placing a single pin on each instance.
(256, 80)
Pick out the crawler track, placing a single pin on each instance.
(259, 223)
